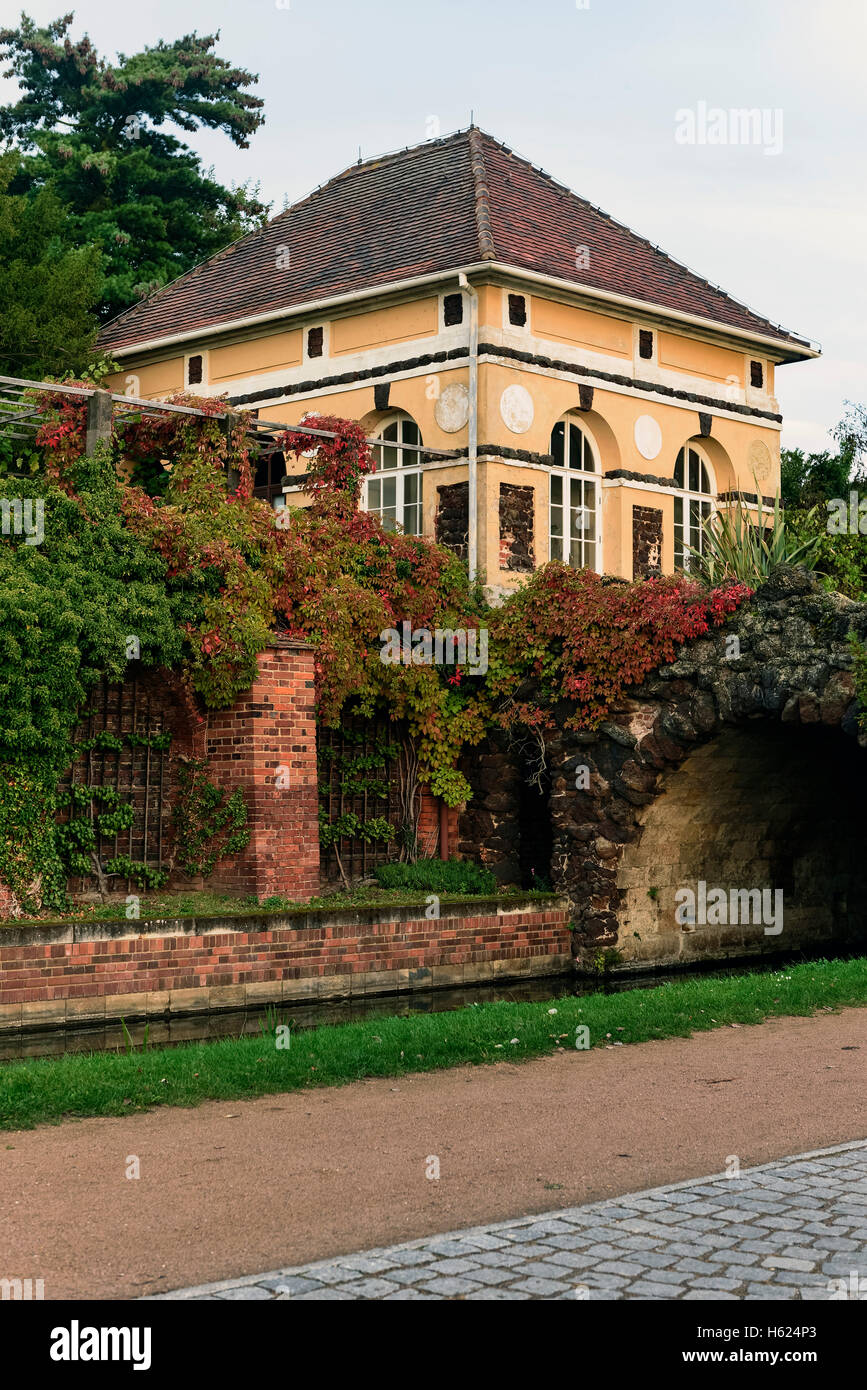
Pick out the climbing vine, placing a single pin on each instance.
(158, 534)
(210, 824)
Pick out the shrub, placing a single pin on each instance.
(438, 876)
(745, 546)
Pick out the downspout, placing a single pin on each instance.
(473, 429)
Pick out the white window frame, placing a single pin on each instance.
(692, 506)
(566, 476)
(406, 470)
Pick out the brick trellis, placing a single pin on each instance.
(265, 743)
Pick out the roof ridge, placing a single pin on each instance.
(487, 251)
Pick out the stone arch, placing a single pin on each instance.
(633, 813)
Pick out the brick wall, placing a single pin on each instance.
(429, 828)
(71, 973)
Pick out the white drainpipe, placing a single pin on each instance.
(473, 428)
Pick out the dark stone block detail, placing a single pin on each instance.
(452, 523)
(453, 309)
(646, 542)
(517, 310)
(705, 423)
(645, 342)
(517, 525)
(459, 354)
(381, 393)
(745, 497)
(634, 477)
(585, 397)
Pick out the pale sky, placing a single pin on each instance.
(590, 95)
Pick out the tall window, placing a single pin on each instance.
(394, 490)
(574, 514)
(693, 475)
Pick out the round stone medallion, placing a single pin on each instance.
(760, 460)
(516, 408)
(648, 437)
(452, 409)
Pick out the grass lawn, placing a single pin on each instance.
(53, 1089)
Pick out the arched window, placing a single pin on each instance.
(574, 509)
(394, 490)
(692, 473)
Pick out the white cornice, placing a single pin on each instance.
(580, 293)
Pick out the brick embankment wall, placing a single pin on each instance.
(73, 973)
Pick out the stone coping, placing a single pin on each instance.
(65, 931)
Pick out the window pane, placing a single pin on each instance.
(576, 440)
(590, 555)
(575, 497)
(556, 548)
(590, 511)
(556, 521)
(389, 458)
(557, 435)
(678, 470)
(556, 489)
(678, 511)
(588, 456)
(410, 487)
(374, 495)
(693, 471)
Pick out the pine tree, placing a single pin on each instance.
(92, 134)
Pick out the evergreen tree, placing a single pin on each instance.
(92, 134)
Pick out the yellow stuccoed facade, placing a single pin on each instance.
(640, 385)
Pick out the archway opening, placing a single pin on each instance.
(762, 806)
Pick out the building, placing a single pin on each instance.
(582, 395)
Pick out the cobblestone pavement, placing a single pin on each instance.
(786, 1230)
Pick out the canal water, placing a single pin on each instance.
(232, 1023)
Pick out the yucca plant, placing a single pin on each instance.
(744, 544)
